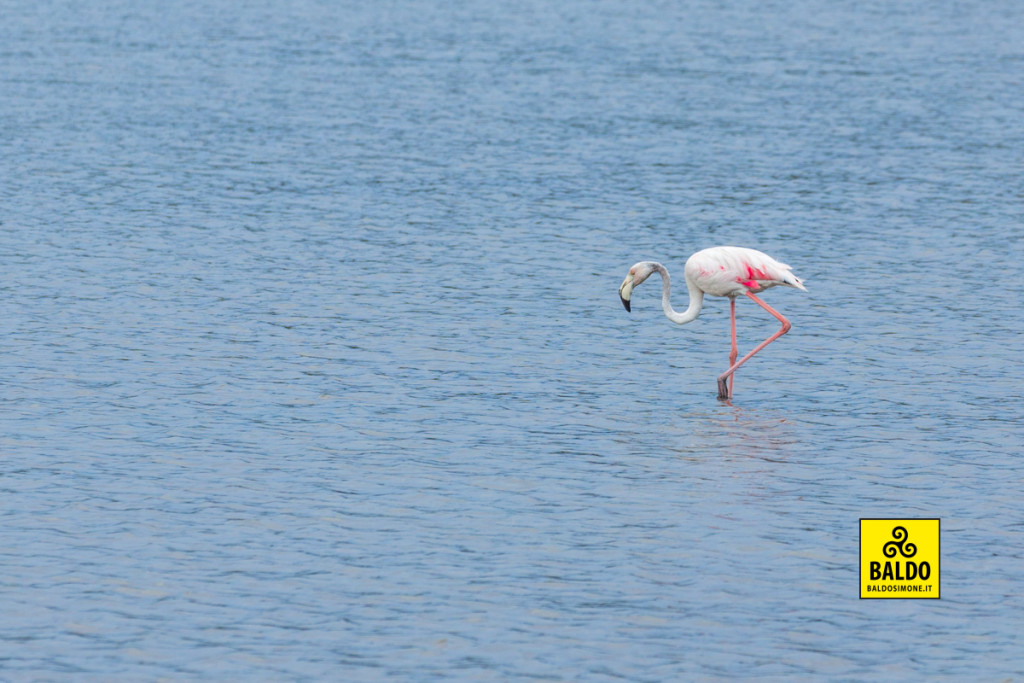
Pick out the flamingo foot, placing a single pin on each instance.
(723, 388)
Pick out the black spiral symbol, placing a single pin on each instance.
(905, 549)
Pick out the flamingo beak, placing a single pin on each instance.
(626, 290)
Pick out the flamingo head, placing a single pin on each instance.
(637, 274)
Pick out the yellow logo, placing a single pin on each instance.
(899, 558)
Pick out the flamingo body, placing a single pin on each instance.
(732, 271)
(720, 271)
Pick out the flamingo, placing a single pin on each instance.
(720, 271)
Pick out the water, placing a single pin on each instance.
(315, 367)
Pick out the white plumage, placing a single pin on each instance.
(729, 271)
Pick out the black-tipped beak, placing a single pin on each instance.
(626, 291)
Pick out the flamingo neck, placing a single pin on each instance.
(696, 299)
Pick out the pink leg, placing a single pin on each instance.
(724, 391)
(735, 351)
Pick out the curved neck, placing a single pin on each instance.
(696, 300)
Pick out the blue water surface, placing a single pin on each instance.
(314, 365)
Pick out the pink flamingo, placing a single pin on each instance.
(720, 271)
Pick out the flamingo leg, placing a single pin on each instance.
(724, 390)
(734, 352)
